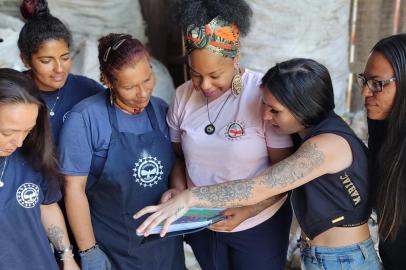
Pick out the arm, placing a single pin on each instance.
(54, 224)
(316, 157)
(237, 215)
(178, 174)
(77, 208)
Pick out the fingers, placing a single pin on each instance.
(166, 226)
(146, 210)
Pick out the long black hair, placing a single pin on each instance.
(40, 26)
(201, 12)
(391, 165)
(304, 87)
(17, 88)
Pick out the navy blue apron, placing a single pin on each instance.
(135, 175)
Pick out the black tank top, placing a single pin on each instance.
(339, 199)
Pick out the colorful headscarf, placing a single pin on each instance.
(218, 36)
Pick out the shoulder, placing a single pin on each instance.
(159, 103)
(184, 94)
(85, 83)
(252, 78)
(91, 104)
(334, 150)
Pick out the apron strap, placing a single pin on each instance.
(152, 116)
(112, 116)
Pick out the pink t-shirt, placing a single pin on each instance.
(238, 147)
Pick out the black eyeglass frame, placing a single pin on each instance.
(372, 83)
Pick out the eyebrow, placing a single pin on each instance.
(45, 56)
(211, 73)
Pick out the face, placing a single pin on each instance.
(283, 121)
(134, 83)
(379, 104)
(211, 73)
(50, 65)
(16, 121)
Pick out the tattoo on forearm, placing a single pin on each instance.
(295, 167)
(220, 195)
(55, 235)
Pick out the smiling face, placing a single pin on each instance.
(50, 65)
(16, 121)
(134, 83)
(283, 121)
(211, 73)
(379, 104)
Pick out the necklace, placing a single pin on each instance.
(210, 128)
(2, 173)
(51, 110)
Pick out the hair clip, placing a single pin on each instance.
(114, 47)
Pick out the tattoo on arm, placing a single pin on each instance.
(55, 235)
(220, 195)
(293, 168)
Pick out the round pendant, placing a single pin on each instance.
(1, 184)
(209, 129)
(51, 113)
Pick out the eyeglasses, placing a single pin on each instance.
(373, 85)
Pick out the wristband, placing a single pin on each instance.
(88, 250)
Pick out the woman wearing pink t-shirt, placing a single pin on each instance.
(217, 129)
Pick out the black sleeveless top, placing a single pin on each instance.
(339, 199)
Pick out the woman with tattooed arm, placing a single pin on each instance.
(327, 174)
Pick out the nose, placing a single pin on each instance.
(58, 66)
(18, 140)
(205, 84)
(267, 115)
(366, 92)
(143, 92)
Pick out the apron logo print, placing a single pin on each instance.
(148, 171)
(235, 130)
(27, 195)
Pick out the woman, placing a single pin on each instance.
(383, 86)
(327, 174)
(44, 43)
(29, 188)
(117, 158)
(217, 129)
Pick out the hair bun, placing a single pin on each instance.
(31, 9)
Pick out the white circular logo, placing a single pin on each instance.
(65, 116)
(27, 195)
(148, 171)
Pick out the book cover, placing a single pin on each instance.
(194, 218)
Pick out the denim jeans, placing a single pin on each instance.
(358, 257)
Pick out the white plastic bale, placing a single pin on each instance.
(284, 29)
(94, 18)
(9, 31)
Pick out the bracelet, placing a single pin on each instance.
(66, 253)
(89, 249)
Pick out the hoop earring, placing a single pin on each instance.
(236, 84)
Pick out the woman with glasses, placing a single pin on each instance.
(384, 89)
(327, 175)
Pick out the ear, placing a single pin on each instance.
(106, 81)
(25, 61)
(236, 61)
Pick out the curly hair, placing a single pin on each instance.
(201, 12)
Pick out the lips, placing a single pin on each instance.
(209, 93)
(58, 78)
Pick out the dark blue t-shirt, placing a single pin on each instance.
(85, 136)
(75, 89)
(24, 243)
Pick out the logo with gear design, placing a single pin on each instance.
(148, 171)
(27, 195)
(234, 130)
